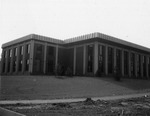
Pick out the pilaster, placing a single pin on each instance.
(122, 61)
(45, 52)
(129, 63)
(74, 61)
(84, 59)
(106, 60)
(56, 57)
(95, 57)
(31, 57)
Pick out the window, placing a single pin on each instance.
(20, 65)
(27, 65)
(132, 64)
(144, 65)
(15, 51)
(149, 66)
(10, 53)
(90, 58)
(110, 60)
(5, 54)
(101, 59)
(21, 50)
(28, 48)
(138, 65)
(126, 62)
(118, 59)
(14, 66)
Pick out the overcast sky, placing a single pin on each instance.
(125, 19)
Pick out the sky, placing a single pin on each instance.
(62, 19)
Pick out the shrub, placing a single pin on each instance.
(59, 71)
(69, 72)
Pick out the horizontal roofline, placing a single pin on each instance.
(33, 36)
(105, 37)
(76, 39)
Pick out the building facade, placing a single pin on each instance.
(84, 55)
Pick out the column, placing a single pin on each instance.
(17, 63)
(114, 57)
(84, 59)
(2, 62)
(6, 64)
(147, 67)
(31, 57)
(95, 57)
(56, 58)
(11, 61)
(141, 66)
(129, 63)
(45, 52)
(122, 62)
(106, 60)
(135, 63)
(74, 61)
(23, 57)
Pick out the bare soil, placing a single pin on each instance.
(124, 107)
(50, 87)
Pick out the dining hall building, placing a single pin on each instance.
(84, 55)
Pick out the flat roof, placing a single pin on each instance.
(76, 39)
(33, 36)
(106, 37)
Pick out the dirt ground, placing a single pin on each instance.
(51, 87)
(124, 107)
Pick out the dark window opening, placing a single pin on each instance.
(50, 59)
(138, 65)
(101, 58)
(149, 67)
(8, 66)
(126, 62)
(20, 65)
(132, 64)
(144, 66)
(14, 66)
(27, 65)
(90, 58)
(118, 60)
(3, 70)
(110, 60)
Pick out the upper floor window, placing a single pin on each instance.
(28, 48)
(5, 54)
(21, 50)
(15, 51)
(10, 53)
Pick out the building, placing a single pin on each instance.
(84, 55)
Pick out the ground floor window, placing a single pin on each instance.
(126, 54)
(27, 65)
(50, 59)
(132, 64)
(14, 65)
(138, 65)
(144, 66)
(101, 58)
(38, 59)
(20, 65)
(118, 60)
(3, 69)
(149, 66)
(90, 58)
(8, 69)
(110, 60)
